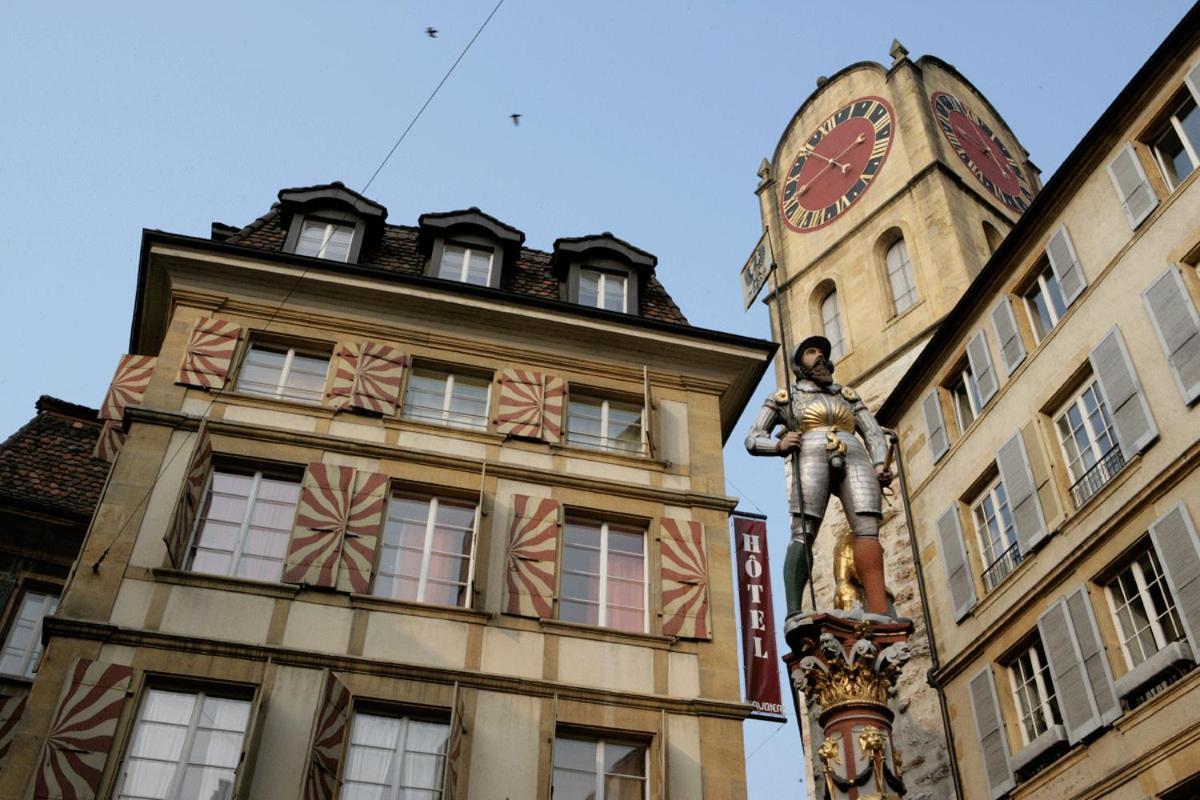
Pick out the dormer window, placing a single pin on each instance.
(468, 247)
(467, 263)
(323, 239)
(601, 289)
(603, 272)
(330, 222)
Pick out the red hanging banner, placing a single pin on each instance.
(758, 621)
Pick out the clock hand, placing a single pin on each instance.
(834, 161)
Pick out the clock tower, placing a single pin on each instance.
(888, 191)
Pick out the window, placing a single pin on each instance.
(587, 769)
(447, 398)
(1034, 693)
(603, 575)
(1144, 609)
(1177, 147)
(426, 552)
(325, 240)
(606, 290)
(185, 745)
(23, 645)
(282, 371)
(997, 536)
(831, 323)
(394, 757)
(244, 529)
(466, 263)
(900, 277)
(1089, 443)
(604, 424)
(964, 392)
(1044, 302)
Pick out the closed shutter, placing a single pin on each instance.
(532, 557)
(1071, 687)
(1091, 649)
(1012, 349)
(1123, 393)
(344, 367)
(1192, 79)
(110, 441)
(12, 707)
(209, 353)
(1174, 538)
(128, 386)
(519, 407)
(993, 744)
(81, 733)
(1178, 327)
(935, 425)
(981, 367)
(954, 556)
(364, 527)
(684, 580)
(1013, 462)
(187, 506)
(330, 724)
(250, 742)
(1133, 189)
(458, 756)
(377, 385)
(554, 409)
(1065, 265)
(338, 524)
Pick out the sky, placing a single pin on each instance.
(647, 119)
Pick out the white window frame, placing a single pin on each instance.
(1008, 536)
(427, 548)
(965, 378)
(1188, 146)
(326, 238)
(837, 344)
(600, 774)
(602, 600)
(603, 276)
(904, 271)
(465, 269)
(396, 770)
(33, 651)
(1042, 284)
(1115, 604)
(1076, 401)
(243, 529)
(451, 378)
(282, 391)
(606, 441)
(1041, 683)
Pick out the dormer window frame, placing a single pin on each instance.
(470, 242)
(469, 228)
(605, 267)
(332, 204)
(328, 217)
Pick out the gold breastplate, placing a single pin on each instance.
(825, 412)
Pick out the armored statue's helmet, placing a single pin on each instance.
(819, 342)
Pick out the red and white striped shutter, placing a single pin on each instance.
(110, 440)
(12, 707)
(456, 749)
(684, 573)
(330, 725)
(532, 559)
(128, 386)
(364, 525)
(209, 353)
(345, 368)
(313, 553)
(377, 382)
(81, 735)
(554, 401)
(187, 507)
(519, 407)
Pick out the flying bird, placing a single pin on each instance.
(516, 118)
(431, 33)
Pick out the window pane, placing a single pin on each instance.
(577, 754)
(616, 788)
(451, 265)
(1175, 161)
(1189, 120)
(614, 292)
(479, 267)
(200, 783)
(574, 785)
(589, 288)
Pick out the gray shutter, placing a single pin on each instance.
(1066, 668)
(1174, 538)
(981, 366)
(1192, 79)
(935, 425)
(954, 555)
(1123, 394)
(1178, 327)
(1133, 189)
(992, 742)
(1013, 463)
(1065, 265)
(1012, 349)
(1090, 647)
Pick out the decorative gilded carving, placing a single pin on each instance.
(857, 675)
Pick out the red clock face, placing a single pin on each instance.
(837, 164)
(982, 152)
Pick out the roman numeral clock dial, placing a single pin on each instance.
(837, 164)
(982, 152)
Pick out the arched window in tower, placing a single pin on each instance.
(993, 236)
(900, 277)
(831, 321)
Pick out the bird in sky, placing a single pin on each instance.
(431, 33)
(516, 118)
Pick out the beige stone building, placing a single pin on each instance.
(401, 511)
(1050, 437)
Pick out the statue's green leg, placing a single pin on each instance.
(797, 568)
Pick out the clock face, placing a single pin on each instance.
(837, 164)
(982, 151)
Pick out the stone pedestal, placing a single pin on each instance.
(847, 670)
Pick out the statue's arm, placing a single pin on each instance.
(759, 440)
(871, 432)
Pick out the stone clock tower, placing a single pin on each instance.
(887, 193)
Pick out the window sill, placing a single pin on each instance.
(640, 460)
(1039, 753)
(201, 580)
(476, 434)
(896, 318)
(1173, 655)
(579, 630)
(372, 602)
(274, 403)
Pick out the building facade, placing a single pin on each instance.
(1050, 438)
(401, 506)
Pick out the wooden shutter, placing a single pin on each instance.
(1178, 327)
(457, 750)
(981, 366)
(993, 744)
(187, 506)
(364, 527)
(1012, 349)
(209, 353)
(554, 409)
(935, 425)
(684, 579)
(1013, 462)
(81, 733)
(1123, 394)
(1174, 538)
(330, 725)
(532, 558)
(1091, 649)
(1071, 687)
(1065, 265)
(1133, 189)
(12, 707)
(344, 369)
(531, 405)
(128, 386)
(110, 441)
(954, 556)
(338, 524)
(250, 742)
(367, 377)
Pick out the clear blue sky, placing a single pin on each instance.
(646, 119)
